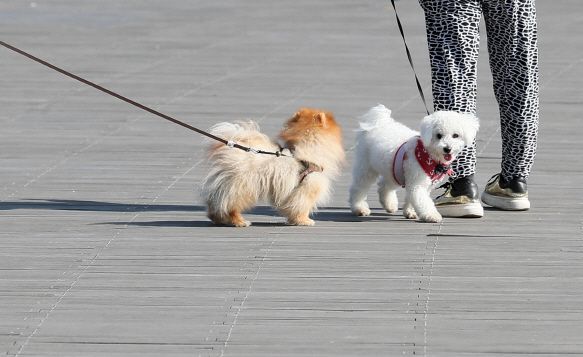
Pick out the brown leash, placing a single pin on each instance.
(139, 105)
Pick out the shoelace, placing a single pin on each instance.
(447, 186)
(493, 179)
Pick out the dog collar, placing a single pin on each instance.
(433, 169)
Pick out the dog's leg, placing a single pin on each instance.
(230, 213)
(362, 178)
(300, 204)
(302, 219)
(215, 217)
(388, 195)
(408, 210)
(423, 204)
(237, 220)
(299, 214)
(233, 218)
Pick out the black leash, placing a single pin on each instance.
(409, 57)
(139, 105)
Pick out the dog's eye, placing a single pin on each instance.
(439, 136)
(455, 136)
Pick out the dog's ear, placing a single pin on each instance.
(296, 116)
(321, 119)
(426, 130)
(470, 128)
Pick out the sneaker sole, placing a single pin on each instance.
(506, 204)
(465, 210)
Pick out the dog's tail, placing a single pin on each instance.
(375, 117)
(242, 132)
(230, 131)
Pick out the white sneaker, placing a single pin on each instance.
(460, 199)
(506, 195)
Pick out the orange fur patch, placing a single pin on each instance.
(307, 124)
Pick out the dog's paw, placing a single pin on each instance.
(302, 222)
(389, 201)
(242, 223)
(361, 210)
(391, 207)
(409, 213)
(433, 217)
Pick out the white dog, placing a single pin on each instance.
(404, 157)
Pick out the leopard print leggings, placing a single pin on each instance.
(453, 38)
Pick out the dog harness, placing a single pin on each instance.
(308, 168)
(435, 170)
(398, 160)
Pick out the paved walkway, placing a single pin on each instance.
(105, 249)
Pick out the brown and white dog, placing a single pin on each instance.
(294, 183)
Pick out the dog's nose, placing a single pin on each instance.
(447, 149)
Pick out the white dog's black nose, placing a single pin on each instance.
(447, 149)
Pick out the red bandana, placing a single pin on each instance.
(434, 169)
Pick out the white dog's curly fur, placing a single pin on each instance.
(443, 134)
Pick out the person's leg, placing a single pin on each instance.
(512, 46)
(453, 37)
(513, 51)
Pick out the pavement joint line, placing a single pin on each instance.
(424, 299)
(247, 293)
(428, 294)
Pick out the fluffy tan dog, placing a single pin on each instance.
(294, 184)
